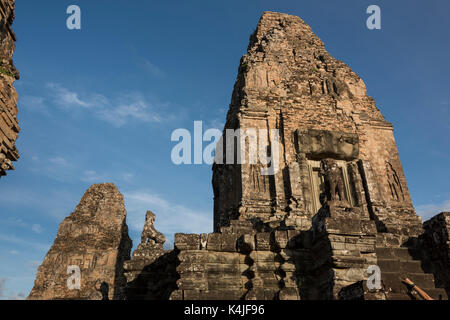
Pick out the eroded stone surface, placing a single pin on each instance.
(94, 238)
(9, 128)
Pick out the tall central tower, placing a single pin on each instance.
(289, 82)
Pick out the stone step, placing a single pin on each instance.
(396, 253)
(436, 293)
(374, 296)
(398, 296)
(394, 265)
(392, 281)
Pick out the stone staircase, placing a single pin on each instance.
(399, 262)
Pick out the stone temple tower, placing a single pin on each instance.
(289, 82)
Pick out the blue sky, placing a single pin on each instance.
(99, 105)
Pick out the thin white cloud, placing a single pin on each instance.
(153, 69)
(61, 169)
(67, 98)
(57, 168)
(127, 177)
(118, 111)
(428, 211)
(12, 221)
(92, 176)
(37, 228)
(59, 161)
(134, 107)
(20, 241)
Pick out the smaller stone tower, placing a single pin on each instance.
(9, 128)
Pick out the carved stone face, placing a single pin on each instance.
(329, 164)
(333, 165)
(324, 164)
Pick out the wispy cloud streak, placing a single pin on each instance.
(117, 110)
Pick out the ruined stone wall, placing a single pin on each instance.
(243, 263)
(288, 81)
(95, 238)
(343, 248)
(333, 260)
(236, 263)
(9, 127)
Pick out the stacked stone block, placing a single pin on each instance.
(237, 263)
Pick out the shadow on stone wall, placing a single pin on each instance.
(313, 264)
(431, 252)
(249, 273)
(310, 252)
(157, 280)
